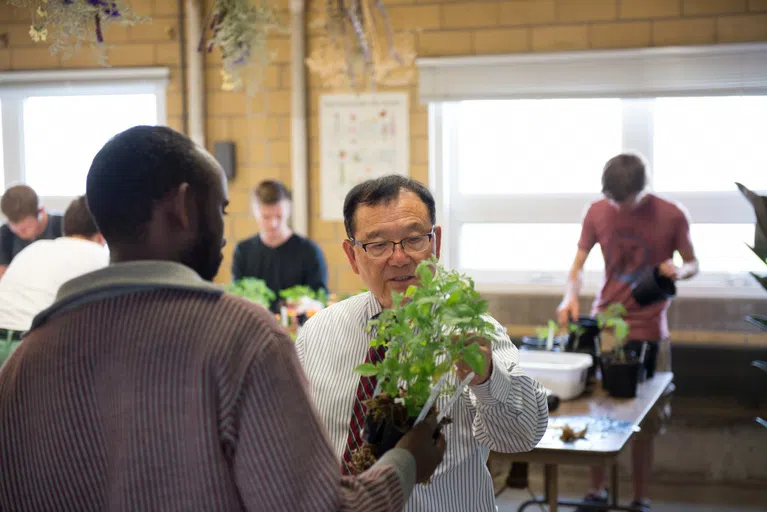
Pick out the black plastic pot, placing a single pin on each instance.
(382, 436)
(633, 348)
(588, 342)
(620, 378)
(651, 287)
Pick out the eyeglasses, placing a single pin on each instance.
(412, 245)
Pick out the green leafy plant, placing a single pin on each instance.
(759, 204)
(296, 293)
(611, 319)
(253, 289)
(429, 329)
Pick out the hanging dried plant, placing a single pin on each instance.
(239, 29)
(360, 49)
(69, 23)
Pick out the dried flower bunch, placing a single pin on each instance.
(360, 49)
(239, 29)
(69, 23)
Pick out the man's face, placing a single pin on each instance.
(272, 218)
(27, 228)
(204, 255)
(405, 217)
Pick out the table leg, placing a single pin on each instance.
(552, 486)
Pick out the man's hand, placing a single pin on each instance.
(669, 270)
(462, 370)
(426, 448)
(568, 310)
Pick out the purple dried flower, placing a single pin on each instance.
(99, 32)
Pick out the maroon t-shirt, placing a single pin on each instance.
(632, 242)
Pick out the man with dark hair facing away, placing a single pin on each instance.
(276, 254)
(34, 276)
(637, 231)
(27, 221)
(146, 387)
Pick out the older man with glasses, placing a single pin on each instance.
(391, 227)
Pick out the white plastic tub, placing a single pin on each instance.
(564, 373)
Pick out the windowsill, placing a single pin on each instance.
(680, 337)
(696, 292)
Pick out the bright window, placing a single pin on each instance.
(60, 119)
(62, 134)
(521, 173)
(704, 144)
(536, 146)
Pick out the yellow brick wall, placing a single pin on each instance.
(505, 26)
(151, 44)
(260, 126)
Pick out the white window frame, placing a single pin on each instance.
(634, 75)
(16, 86)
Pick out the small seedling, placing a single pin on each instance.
(612, 319)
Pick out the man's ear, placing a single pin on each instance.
(351, 255)
(181, 207)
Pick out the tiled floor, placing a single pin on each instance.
(667, 499)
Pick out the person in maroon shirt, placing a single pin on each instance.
(637, 231)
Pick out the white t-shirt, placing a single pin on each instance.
(33, 278)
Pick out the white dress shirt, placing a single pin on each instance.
(508, 413)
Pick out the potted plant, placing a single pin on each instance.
(301, 303)
(620, 369)
(429, 329)
(253, 289)
(759, 203)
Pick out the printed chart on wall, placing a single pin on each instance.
(362, 136)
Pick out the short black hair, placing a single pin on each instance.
(78, 220)
(384, 190)
(133, 170)
(623, 175)
(270, 192)
(19, 202)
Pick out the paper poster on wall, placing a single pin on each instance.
(362, 136)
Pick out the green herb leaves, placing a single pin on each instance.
(428, 330)
(253, 289)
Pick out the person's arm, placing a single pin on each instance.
(283, 459)
(317, 269)
(569, 308)
(683, 245)
(510, 408)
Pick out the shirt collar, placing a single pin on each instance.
(122, 278)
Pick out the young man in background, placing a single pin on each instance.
(35, 275)
(276, 254)
(27, 221)
(636, 231)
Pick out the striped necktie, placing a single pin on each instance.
(365, 390)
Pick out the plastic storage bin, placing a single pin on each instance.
(564, 373)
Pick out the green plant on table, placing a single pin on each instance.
(611, 319)
(429, 330)
(253, 289)
(296, 293)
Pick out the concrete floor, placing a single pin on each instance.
(667, 498)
